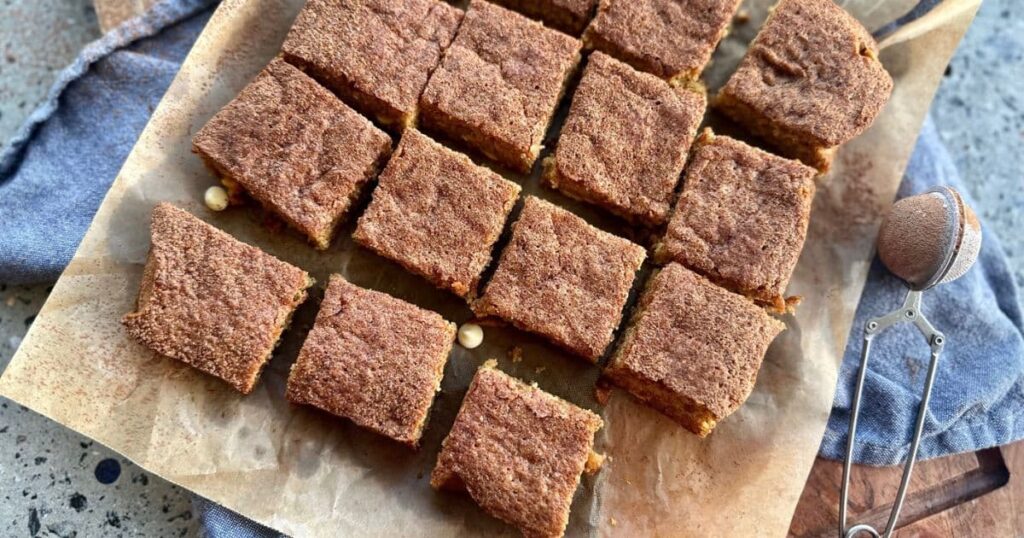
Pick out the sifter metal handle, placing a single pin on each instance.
(910, 312)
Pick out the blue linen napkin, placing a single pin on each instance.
(76, 142)
(978, 398)
(59, 165)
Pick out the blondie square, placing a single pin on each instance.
(211, 301)
(569, 16)
(375, 54)
(673, 39)
(692, 350)
(563, 279)
(741, 219)
(499, 84)
(518, 452)
(437, 214)
(373, 359)
(294, 148)
(625, 141)
(810, 81)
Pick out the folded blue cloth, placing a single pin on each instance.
(978, 398)
(59, 165)
(76, 142)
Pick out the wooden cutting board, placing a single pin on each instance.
(976, 494)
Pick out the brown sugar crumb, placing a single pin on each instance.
(499, 84)
(692, 349)
(373, 359)
(569, 16)
(602, 392)
(669, 38)
(211, 301)
(810, 81)
(294, 148)
(437, 214)
(376, 54)
(518, 452)
(741, 219)
(563, 279)
(625, 141)
(594, 462)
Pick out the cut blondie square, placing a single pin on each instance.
(211, 301)
(376, 54)
(373, 359)
(295, 148)
(569, 16)
(741, 219)
(518, 452)
(625, 141)
(810, 81)
(673, 39)
(499, 84)
(563, 279)
(437, 213)
(692, 349)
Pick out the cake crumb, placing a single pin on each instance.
(602, 392)
(540, 369)
(742, 16)
(516, 354)
(613, 522)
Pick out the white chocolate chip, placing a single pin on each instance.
(216, 198)
(470, 335)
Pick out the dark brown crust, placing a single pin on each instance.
(376, 54)
(518, 451)
(563, 279)
(373, 359)
(569, 16)
(211, 301)
(295, 148)
(437, 214)
(671, 39)
(625, 141)
(499, 84)
(692, 350)
(742, 217)
(810, 81)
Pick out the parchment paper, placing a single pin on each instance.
(308, 474)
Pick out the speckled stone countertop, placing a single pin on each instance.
(54, 482)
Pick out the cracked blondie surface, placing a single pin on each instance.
(563, 279)
(692, 349)
(569, 16)
(295, 148)
(373, 359)
(211, 301)
(810, 81)
(499, 84)
(625, 141)
(518, 452)
(437, 213)
(742, 217)
(673, 39)
(376, 54)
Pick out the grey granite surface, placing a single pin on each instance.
(979, 112)
(52, 481)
